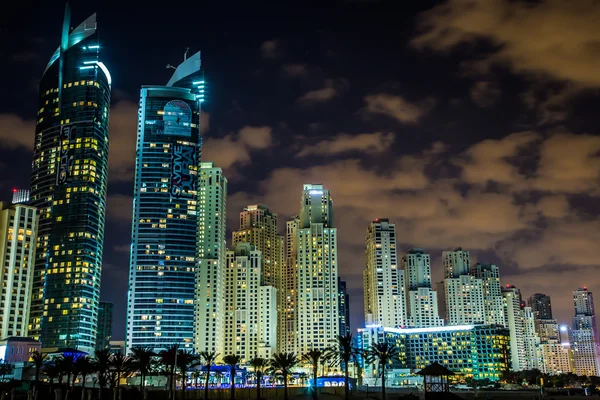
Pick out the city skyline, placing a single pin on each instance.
(441, 158)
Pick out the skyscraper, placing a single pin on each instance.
(18, 230)
(105, 319)
(68, 187)
(531, 341)
(317, 260)
(383, 281)
(258, 226)
(456, 262)
(344, 307)
(463, 293)
(513, 316)
(492, 292)
(422, 301)
(586, 349)
(288, 288)
(160, 309)
(250, 308)
(210, 279)
(541, 306)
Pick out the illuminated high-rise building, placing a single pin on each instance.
(288, 288)
(160, 309)
(513, 316)
(18, 230)
(541, 305)
(584, 336)
(463, 292)
(209, 320)
(250, 308)
(20, 196)
(68, 187)
(317, 261)
(422, 301)
(492, 292)
(383, 280)
(258, 226)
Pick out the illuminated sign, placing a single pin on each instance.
(182, 181)
(314, 192)
(177, 118)
(67, 133)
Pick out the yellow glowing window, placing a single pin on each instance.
(58, 219)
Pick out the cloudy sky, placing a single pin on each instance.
(467, 123)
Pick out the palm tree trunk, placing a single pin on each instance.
(232, 376)
(257, 387)
(346, 381)
(383, 381)
(206, 383)
(314, 388)
(285, 392)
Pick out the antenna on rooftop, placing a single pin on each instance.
(186, 53)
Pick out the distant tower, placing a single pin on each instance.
(105, 320)
(463, 293)
(20, 196)
(383, 280)
(584, 335)
(288, 287)
(166, 213)
(422, 301)
(344, 307)
(541, 306)
(68, 187)
(492, 292)
(317, 260)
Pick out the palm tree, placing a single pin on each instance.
(196, 374)
(51, 371)
(142, 360)
(66, 364)
(341, 353)
(102, 365)
(168, 359)
(208, 359)
(119, 364)
(313, 358)
(84, 367)
(383, 353)
(38, 360)
(282, 364)
(259, 365)
(232, 360)
(185, 361)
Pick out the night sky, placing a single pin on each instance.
(467, 123)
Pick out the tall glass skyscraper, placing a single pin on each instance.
(68, 187)
(160, 310)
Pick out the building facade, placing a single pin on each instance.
(317, 261)
(492, 292)
(250, 308)
(513, 316)
(288, 288)
(383, 280)
(258, 226)
(584, 336)
(105, 320)
(421, 299)
(463, 291)
(209, 328)
(68, 187)
(18, 231)
(541, 305)
(160, 308)
(478, 351)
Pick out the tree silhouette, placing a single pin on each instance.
(282, 364)
(232, 360)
